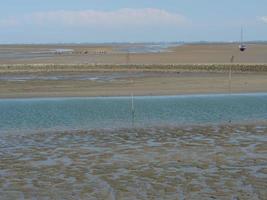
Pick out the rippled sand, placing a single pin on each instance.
(212, 162)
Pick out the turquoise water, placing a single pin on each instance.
(115, 112)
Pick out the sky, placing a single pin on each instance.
(100, 21)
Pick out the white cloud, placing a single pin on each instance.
(94, 26)
(263, 19)
(122, 17)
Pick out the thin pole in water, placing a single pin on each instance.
(133, 111)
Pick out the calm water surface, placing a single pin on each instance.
(116, 112)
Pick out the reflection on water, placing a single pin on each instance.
(196, 162)
(147, 48)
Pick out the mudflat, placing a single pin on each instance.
(70, 84)
(201, 162)
(118, 54)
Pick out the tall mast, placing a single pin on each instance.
(241, 35)
(242, 46)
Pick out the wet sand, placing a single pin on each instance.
(197, 162)
(82, 84)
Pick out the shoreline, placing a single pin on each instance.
(191, 95)
(188, 126)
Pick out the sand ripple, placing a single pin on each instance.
(211, 162)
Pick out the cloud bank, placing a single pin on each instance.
(122, 17)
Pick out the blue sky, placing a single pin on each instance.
(53, 21)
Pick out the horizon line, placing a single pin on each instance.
(137, 42)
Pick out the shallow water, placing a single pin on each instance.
(17, 54)
(148, 48)
(29, 115)
(195, 162)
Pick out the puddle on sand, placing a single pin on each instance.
(212, 162)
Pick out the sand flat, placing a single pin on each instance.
(125, 83)
(110, 54)
(186, 69)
